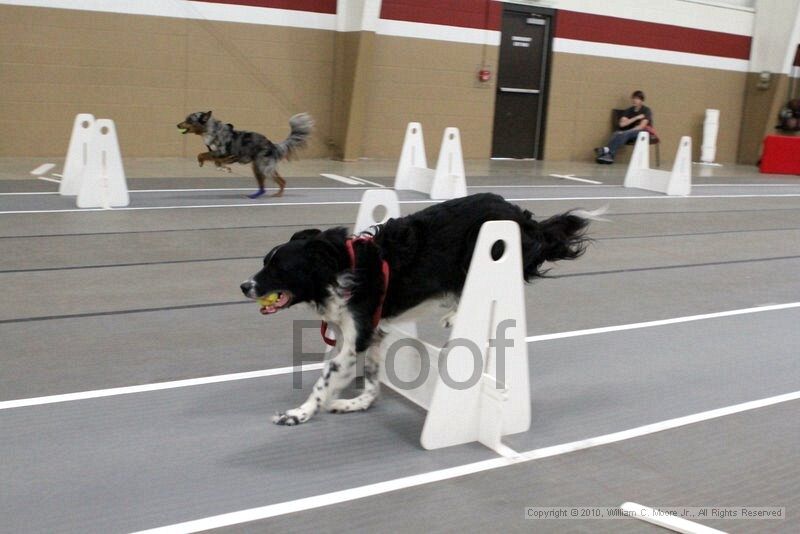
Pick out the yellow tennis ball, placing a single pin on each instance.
(269, 300)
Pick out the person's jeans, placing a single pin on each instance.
(621, 137)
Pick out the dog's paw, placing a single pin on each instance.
(349, 405)
(290, 417)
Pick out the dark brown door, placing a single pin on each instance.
(521, 84)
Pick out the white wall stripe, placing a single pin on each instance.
(700, 15)
(352, 494)
(652, 55)
(456, 34)
(194, 10)
(324, 21)
(675, 12)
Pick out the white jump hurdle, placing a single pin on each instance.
(93, 170)
(447, 181)
(675, 182)
(77, 155)
(475, 388)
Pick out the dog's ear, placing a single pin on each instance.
(322, 253)
(306, 234)
(205, 116)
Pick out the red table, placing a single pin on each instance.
(781, 155)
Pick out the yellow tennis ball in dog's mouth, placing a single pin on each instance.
(268, 300)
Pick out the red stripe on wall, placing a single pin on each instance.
(316, 6)
(614, 30)
(480, 14)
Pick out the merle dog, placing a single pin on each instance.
(427, 255)
(228, 145)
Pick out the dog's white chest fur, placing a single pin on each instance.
(335, 307)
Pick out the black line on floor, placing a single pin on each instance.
(234, 258)
(681, 266)
(121, 312)
(213, 304)
(132, 264)
(125, 232)
(647, 213)
(690, 234)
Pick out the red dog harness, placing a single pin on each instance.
(384, 268)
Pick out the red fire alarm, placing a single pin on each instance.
(484, 75)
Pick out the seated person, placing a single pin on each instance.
(633, 120)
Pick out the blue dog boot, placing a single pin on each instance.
(257, 193)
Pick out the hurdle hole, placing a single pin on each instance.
(498, 250)
(452, 136)
(379, 214)
(104, 130)
(85, 124)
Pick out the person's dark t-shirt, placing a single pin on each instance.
(631, 113)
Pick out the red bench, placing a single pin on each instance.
(781, 155)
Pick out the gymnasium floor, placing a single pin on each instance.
(97, 300)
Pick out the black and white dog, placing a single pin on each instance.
(422, 256)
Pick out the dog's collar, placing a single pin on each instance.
(376, 318)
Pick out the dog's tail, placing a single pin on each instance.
(301, 125)
(561, 237)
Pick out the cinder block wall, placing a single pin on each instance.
(148, 72)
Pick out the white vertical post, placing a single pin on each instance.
(77, 154)
(708, 149)
(412, 156)
(104, 184)
(680, 179)
(675, 182)
(486, 365)
(450, 179)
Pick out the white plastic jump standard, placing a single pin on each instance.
(103, 184)
(77, 155)
(676, 182)
(476, 387)
(447, 181)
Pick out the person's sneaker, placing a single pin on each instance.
(601, 151)
(605, 159)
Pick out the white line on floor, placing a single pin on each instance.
(84, 395)
(192, 190)
(357, 202)
(46, 179)
(323, 188)
(746, 185)
(662, 519)
(364, 180)
(35, 401)
(662, 322)
(43, 168)
(352, 494)
(572, 177)
(343, 179)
